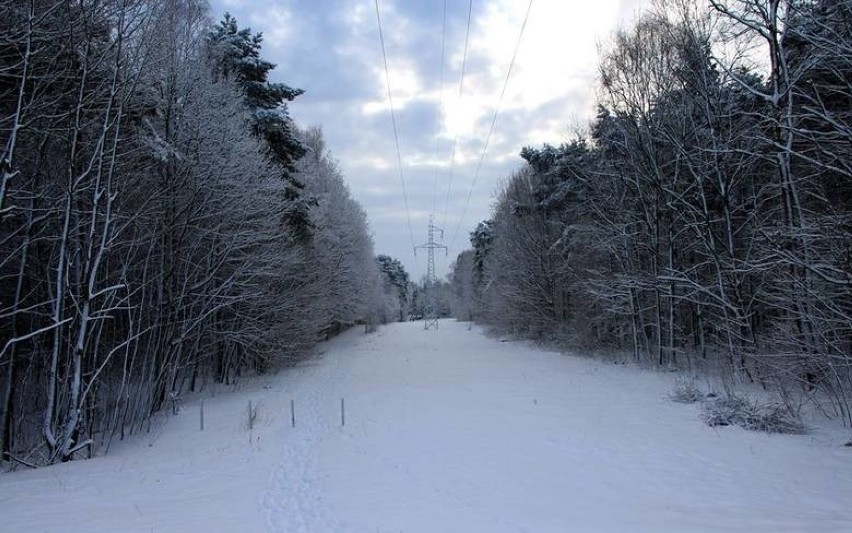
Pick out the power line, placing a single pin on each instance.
(461, 92)
(393, 120)
(493, 123)
(440, 103)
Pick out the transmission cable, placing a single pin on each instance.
(395, 128)
(461, 93)
(440, 104)
(493, 123)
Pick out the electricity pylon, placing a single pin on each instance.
(430, 316)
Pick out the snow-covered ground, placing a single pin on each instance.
(445, 430)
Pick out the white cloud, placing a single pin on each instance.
(557, 55)
(406, 86)
(374, 161)
(278, 26)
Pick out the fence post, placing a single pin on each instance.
(342, 413)
(292, 413)
(201, 414)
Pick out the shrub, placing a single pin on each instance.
(775, 417)
(733, 410)
(686, 391)
(727, 411)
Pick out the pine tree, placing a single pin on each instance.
(396, 275)
(236, 53)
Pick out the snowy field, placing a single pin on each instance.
(444, 431)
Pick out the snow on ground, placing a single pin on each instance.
(445, 430)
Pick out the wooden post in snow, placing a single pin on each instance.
(250, 416)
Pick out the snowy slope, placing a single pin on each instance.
(446, 431)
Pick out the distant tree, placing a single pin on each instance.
(482, 239)
(396, 276)
(346, 277)
(463, 290)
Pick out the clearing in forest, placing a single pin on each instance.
(445, 430)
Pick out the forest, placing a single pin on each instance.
(164, 223)
(703, 221)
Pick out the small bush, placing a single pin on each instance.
(733, 410)
(686, 391)
(727, 411)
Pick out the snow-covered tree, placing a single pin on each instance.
(236, 53)
(396, 282)
(705, 221)
(147, 233)
(346, 276)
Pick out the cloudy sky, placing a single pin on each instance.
(331, 49)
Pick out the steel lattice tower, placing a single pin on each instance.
(430, 317)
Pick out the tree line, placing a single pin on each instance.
(163, 221)
(705, 220)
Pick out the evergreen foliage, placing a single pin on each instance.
(236, 52)
(395, 276)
